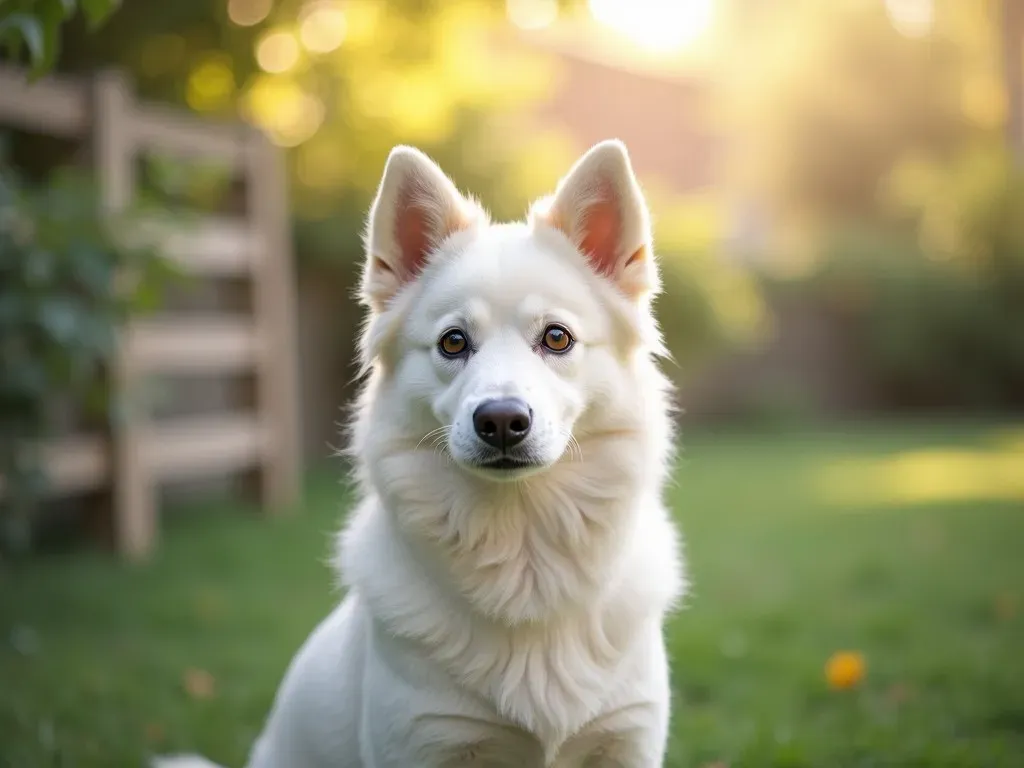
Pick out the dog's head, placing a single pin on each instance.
(505, 345)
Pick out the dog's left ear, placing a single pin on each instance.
(600, 208)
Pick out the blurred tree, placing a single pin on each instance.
(61, 300)
(35, 26)
(339, 84)
(828, 99)
(873, 134)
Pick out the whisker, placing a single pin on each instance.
(440, 444)
(576, 443)
(430, 434)
(573, 445)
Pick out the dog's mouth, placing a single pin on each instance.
(507, 464)
(505, 467)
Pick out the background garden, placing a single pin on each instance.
(838, 192)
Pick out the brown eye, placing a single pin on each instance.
(453, 343)
(557, 339)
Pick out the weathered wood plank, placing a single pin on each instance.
(192, 345)
(57, 107)
(198, 447)
(74, 463)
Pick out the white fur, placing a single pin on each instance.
(513, 620)
(182, 761)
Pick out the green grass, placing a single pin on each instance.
(93, 654)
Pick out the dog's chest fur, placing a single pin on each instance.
(548, 679)
(579, 609)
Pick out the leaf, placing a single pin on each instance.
(11, 308)
(27, 379)
(155, 733)
(52, 15)
(96, 275)
(60, 318)
(98, 11)
(30, 30)
(1005, 606)
(199, 684)
(39, 269)
(898, 693)
(145, 298)
(97, 335)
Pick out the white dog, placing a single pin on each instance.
(511, 562)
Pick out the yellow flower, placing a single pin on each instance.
(845, 669)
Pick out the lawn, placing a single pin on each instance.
(903, 544)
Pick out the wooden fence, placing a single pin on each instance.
(141, 453)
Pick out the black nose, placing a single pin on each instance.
(503, 422)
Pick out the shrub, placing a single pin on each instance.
(63, 293)
(936, 313)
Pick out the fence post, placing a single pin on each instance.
(134, 503)
(273, 300)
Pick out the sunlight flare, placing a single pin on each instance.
(658, 25)
(532, 14)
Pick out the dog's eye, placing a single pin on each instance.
(453, 343)
(557, 339)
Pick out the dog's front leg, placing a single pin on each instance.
(630, 758)
(633, 737)
(634, 749)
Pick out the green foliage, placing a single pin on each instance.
(421, 72)
(877, 152)
(65, 286)
(36, 24)
(935, 311)
(825, 99)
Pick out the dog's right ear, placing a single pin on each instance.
(599, 207)
(416, 209)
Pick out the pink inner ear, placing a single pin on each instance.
(602, 231)
(411, 234)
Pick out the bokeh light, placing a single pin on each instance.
(277, 51)
(532, 14)
(322, 27)
(363, 22)
(246, 13)
(281, 107)
(913, 18)
(211, 84)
